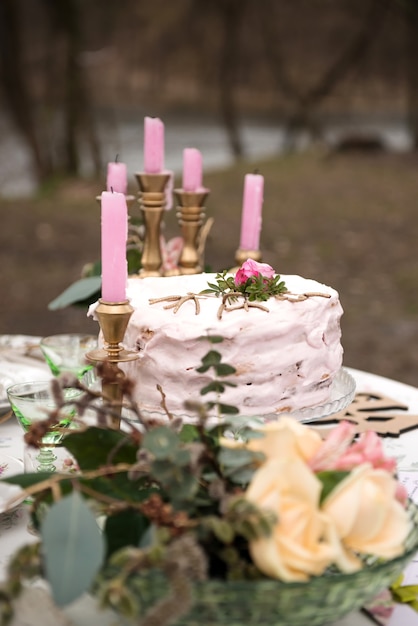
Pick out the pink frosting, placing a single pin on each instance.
(285, 359)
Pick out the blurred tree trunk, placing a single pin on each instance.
(65, 18)
(412, 70)
(304, 104)
(231, 12)
(15, 85)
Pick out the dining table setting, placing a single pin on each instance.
(388, 405)
(90, 486)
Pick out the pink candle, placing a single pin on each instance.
(117, 177)
(114, 236)
(251, 212)
(153, 145)
(192, 169)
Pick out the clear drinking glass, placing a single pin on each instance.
(32, 402)
(67, 353)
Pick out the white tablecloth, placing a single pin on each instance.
(13, 525)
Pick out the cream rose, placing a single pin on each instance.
(304, 541)
(368, 517)
(283, 438)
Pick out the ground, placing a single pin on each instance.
(348, 220)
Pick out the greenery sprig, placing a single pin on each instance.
(255, 288)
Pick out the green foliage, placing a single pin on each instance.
(73, 548)
(126, 528)
(330, 480)
(83, 292)
(153, 496)
(405, 594)
(256, 288)
(96, 447)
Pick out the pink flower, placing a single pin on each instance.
(338, 453)
(252, 268)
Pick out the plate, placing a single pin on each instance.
(21, 361)
(343, 389)
(9, 466)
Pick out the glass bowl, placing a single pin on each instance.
(321, 600)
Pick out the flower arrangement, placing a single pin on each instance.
(158, 509)
(253, 280)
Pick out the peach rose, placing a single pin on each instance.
(304, 541)
(284, 438)
(368, 517)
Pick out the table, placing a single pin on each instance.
(13, 526)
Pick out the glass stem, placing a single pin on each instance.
(46, 459)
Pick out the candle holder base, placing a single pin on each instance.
(101, 354)
(241, 255)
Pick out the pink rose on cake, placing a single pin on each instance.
(251, 269)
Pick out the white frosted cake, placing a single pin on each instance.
(285, 357)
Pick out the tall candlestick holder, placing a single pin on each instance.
(152, 202)
(191, 216)
(113, 318)
(241, 255)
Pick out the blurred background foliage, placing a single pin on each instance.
(69, 66)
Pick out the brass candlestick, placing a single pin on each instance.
(113, 319)
(242, 255)
(191, 216)
(152, 203)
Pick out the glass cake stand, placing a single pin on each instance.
(342, 392)
(343, 389)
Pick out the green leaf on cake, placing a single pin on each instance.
(228, 409)
(223, 369)
(212, 338)
(211, 359)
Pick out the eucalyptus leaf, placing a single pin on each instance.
(26, 480)
(79, 291)
(228, 409)
(161, 442)
(188, 433)
(236, 457)
(223, 369)
(126, 528)
(215, 386)
(211, 359)
(92, 447)
(73, 548)
(212, 338)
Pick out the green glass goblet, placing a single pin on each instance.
(67, 353)
(33, 402)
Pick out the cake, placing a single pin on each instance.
(286, 351)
